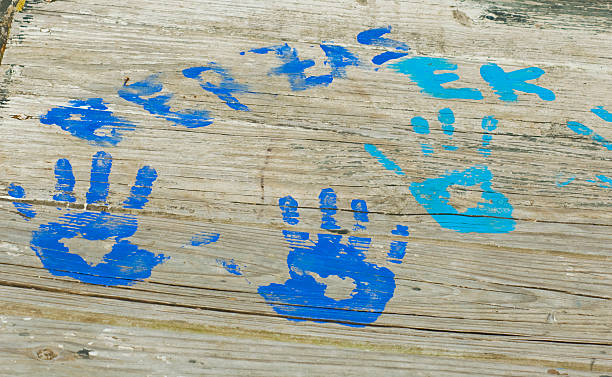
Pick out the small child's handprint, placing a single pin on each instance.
(126, 263)
(492, 213)
(315, 264)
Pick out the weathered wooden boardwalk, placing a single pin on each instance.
(363, 187)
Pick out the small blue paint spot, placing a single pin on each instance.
(560, 183)
(401, 230)
(607, 181)
(422, 70)
(25, 209)
(16, 191)
(373, 37)
(139, 193)
(89, 120)
(504, 83)
(65, 181)
(241, 52)
(204, 238)
(327, 205)
(420, 125)
(492, 215)
(230, 266)
(386, 56)
(602, 113)
(384, 160)
(289, 210)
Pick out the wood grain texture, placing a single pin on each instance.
(535, 301)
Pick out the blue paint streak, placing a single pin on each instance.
(492, 215)
(302, 297)
(141, 93)
(422, 69)
(339, 58)
(505, 83)
(384, 160)
(581, 129)
(606, 180)
(289, 210)
(602, 113)
(226, 87)
(125, 264)
(89, 120)
(230, 266)
(294, 68)
(101, 164)
(327, 205)
(204, 238)
(65, 181)
(565, 183)
(373, 37)
(386, 56)
(17, 192)
(139, 194)
(360, 213)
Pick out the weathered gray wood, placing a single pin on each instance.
(530, 302)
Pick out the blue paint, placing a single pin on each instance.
(126, 263)
(303, 296)
(384, 160)
(360, 213)
(581, 129)
(17, 192)
(294, 68)
(421, 127)
(101, 165)
(386, 56)
(602, 113)
(140, 191)
(141, 93)
(204, 238)
(288, 207)
(564, 183)
(327, 205)
(373, 37)
(65, 181)
(224, 89)
(339, 58)
(422, 69)
(230, 266)
(492, 215)
(489, 123)
(446, 117)
(607, 181)
(89, 120)
(504, 83)
(397, 249)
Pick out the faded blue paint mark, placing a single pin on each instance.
(288, 207)
(17, 192)
(230, 266)
(360, 213)
(204, 238)
(489, 123)
(384, 160)
(126, 263)
(65, 181)
(224, 89)
(397, 249)
(560, 183)
(327, 205)
(101, 165)
(421, 127)
(89, 120)
(492, 215)
(602, 113)
(446, 117)
(504, 83)
(422, 69)
(294, 68)
(581, 129)
(373, 37)
(339, 58)
(142, 93)
(303, 297)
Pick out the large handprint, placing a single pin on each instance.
(126, 263)
(304, 296)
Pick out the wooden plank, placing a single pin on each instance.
(524, 292)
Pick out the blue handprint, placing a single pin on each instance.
(303, 296)
(126, 263)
